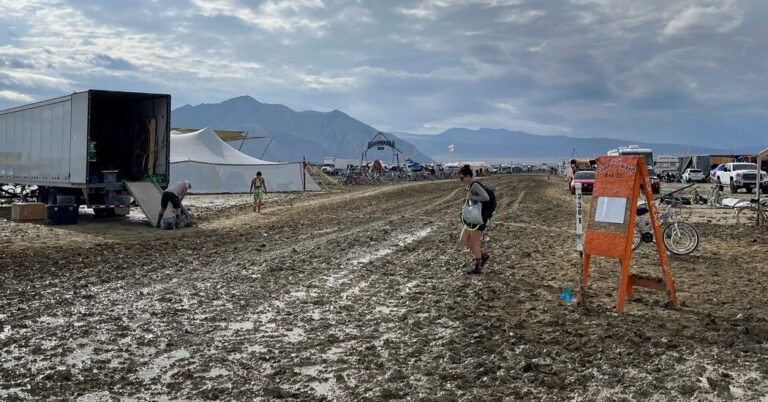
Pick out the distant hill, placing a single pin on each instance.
(502, 144)
(293, 134)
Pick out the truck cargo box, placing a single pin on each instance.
(87, 140)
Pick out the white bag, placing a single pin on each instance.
(472, 213)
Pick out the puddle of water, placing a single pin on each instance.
(51, 320)
(298, 295)
(95, 397)
(324, 387)
(400, 241)
(333, 353)
(217, 372)
(6, 332)
(18, 392)
(295, 335)
(80, 355)
(163, 362)
(256, 348)
(308, 370)
(239, 326)
(385, 310)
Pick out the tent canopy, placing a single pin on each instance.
(206, 146)
(213, 166)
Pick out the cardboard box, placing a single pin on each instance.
(32, 211)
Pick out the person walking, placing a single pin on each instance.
(174, 195)
(472, 234)
(259, 189)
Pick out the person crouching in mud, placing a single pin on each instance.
(174, 195)
(472, 235)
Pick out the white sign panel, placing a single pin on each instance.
(610, 209)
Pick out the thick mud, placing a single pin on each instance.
(362, 295)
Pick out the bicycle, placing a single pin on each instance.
(753, 214)
(680, 238)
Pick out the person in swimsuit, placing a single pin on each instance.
(259, 190)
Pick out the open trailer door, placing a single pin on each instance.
(148, 195)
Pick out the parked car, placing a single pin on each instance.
(587, 180)
(414, 166)
(739, 175)
(693, 176)
(655, 182)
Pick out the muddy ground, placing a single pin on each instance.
(362, 295)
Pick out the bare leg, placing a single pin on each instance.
(259, 206)
(464, 238)
(475, 239)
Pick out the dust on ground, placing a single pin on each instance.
(362, 295)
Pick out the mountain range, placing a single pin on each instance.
(290, 135)
(499, 144)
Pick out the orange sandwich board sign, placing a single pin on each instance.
(611, 222)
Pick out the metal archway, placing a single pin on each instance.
(380, 141)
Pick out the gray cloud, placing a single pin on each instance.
(113, 63)
(677, 71)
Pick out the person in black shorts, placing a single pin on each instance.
(472, 235)
(173, 195)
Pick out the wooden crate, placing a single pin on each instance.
(32, 211)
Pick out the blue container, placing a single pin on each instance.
(62, 215)
(110, 177)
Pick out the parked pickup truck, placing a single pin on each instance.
(693, 175)
(738, 175)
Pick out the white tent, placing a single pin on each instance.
(213, 166)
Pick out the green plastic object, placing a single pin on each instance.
(92, 151)
(157, 178)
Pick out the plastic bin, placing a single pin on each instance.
(110, 176)
(62, 215)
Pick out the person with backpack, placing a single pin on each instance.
(472, 232)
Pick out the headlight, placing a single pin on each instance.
(739, 174)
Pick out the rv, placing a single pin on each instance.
(634, 150)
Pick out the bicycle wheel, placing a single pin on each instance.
(637, 237)
(748, 215)
(680, 238)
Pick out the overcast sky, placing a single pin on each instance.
(688, 71)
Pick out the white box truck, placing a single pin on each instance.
(333, 165)
(82, 148)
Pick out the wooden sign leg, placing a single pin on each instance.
(623, 285)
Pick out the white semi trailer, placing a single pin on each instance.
(83, 148)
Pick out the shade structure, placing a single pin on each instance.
(213, 166)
